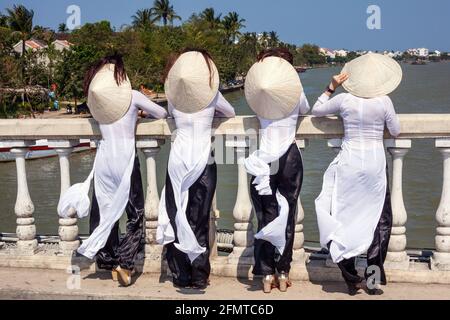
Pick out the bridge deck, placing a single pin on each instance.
(48, 284)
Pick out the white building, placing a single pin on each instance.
(341, 53)
(327, 53)
(62, 45)
(435, 53)
(31, 44)
(36, 45)
(393, 54)
(419, 52)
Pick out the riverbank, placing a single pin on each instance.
(52, 284)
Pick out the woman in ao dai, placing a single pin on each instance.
(274, 92)
(116, 172)
(191, 86)
(353, 211)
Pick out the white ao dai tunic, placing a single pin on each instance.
(354, 186)
(112, 170)
(276, 136)
(188, 158)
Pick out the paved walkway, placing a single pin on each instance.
(52, 284)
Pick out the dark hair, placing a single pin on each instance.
(173, 58)
(276, 52)
(119, 70)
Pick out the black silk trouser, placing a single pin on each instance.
(201, 195)
(123, 252)
(376, 254)
(288, 180)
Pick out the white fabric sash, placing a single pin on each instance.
(257, 164)
(111, 207)
(182, 177)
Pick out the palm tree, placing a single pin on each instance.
(210, 17)
(232, 25)
(163, 10)
(20, 20)
(3, 20)
(264, 40)
(62, 27)
(142, 19)
(274, 40)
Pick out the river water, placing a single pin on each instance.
(425, 89)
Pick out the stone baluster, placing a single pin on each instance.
(150, 148)
(441, 257)
(299, 239)
(397, 257)
(243, 228)
(24, 207)
(68, 228)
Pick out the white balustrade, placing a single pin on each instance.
(68, 228)
(24, 208)
(397, 258)
(243, 228)
(299, 239)
(150, 138)
(151, 148)
(441, 257)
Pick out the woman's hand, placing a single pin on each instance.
(338, 80)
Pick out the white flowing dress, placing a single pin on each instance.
(112, 170)
(188, 158)
(276, 137)
(354, 186)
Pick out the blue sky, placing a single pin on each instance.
(332, 24)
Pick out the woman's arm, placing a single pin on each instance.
(223, 107)
(148, 107)
(304, 104)
(324, 106)
(392, 121)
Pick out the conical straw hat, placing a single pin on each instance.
(372, 75)
(188, 86)
(273, 88)
(107, 101)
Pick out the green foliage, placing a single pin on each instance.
(309, 54)
(62, 27)
(143, 19)
(163, 11)
(146, 48)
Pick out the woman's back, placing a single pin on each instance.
(364, 119)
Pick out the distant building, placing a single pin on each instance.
(62, 45)
(393, 54)
(341, 53)
(435, 53)
(31, 44)
(419, 52)
(37, 45)
(327, 53)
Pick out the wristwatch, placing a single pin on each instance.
(330, 90)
